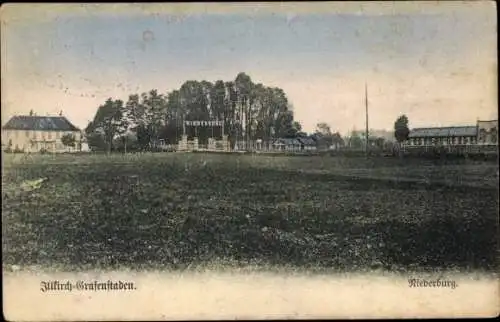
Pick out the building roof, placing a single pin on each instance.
(306, 141)
(286, 141)
(443, 131)
(39, 123)
(316, 136)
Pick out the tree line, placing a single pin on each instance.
(249, 110)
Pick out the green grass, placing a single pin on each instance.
(177, 211)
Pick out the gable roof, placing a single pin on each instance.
(444, 131)
(306, 141)
(286, 141)
(316, 136)
(39, 123)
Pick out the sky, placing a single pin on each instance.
(435, 63)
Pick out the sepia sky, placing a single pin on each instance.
(435, 63)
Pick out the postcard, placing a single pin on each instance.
(257, 160)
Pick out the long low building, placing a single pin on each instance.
(295, 144)
(483, 133)
(286, 144)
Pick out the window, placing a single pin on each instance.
(49, 135)
(27, 133)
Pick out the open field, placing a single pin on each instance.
(177, 211)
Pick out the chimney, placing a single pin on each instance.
(60, 113)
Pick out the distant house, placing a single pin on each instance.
(35, 133)
(307, 143)
(286, 144)
(323, 142)
(316, 136)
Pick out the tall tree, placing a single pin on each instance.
(324, 136)
(108, 122)
(401, 130)
(218, 100)
(134, 112)
(286, 126)
(244, 87)
(155, 106)
(174, 115)
(324, 129)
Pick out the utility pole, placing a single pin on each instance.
(366, 106)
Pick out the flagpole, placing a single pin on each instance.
(366, 107)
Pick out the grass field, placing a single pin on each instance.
(178, 211)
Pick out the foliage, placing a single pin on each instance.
(96, 142)
(323, 129)
(401, 130)
(337, 140)
(355, 140)
(323, 136)
(68, 140)
(108, 122)
(250, 111)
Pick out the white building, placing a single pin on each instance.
(36, 133)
